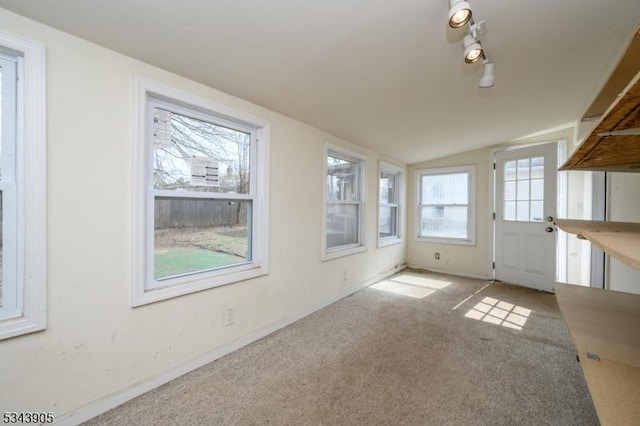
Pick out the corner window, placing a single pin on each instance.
(22, 187)
(389, 198)
(446, 209)
(344, 202)
(203, 185)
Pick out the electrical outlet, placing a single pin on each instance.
(345, 275)
(437, 256)
(228, 317)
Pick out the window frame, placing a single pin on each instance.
(361, 160)
(29, 263)
(471, 205)
(397, 172)
(145, 288)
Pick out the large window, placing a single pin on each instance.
(446, 211)
(389, 198)
(203, 183)
(344, 202)
(22, 187)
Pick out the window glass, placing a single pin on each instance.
(343, 203)
(195, 155)
(523, 182)
(446, 211)
(203, 217)
(342, 179)
(451, 188)
(194, 235)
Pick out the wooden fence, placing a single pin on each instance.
(190, 213)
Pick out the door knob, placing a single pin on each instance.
(548, 229)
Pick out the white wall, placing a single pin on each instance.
(96, 345)
(470, 261)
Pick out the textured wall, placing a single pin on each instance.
(96, 344)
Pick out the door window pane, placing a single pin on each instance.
(509, 210)
(537, 167)
(536, 211)
(523, 190)
(537, 189)
(523, 181)
(523, 169)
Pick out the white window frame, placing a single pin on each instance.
(471, 210)
(398, 174)
(26, 190)
(145, 289)
(361, 160)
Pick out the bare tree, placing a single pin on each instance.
(192, 137)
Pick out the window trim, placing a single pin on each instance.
(141, 293)
(398, 173)
(471, 211)
(347, 249)
(32, 204)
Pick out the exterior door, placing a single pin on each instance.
(525, 236)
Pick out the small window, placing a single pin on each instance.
(22, 187)
(446, 210)
(204, 198)
(524, 190)
(344, 203)
(389, 211)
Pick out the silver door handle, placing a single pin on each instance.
(548, 229)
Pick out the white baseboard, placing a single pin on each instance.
(105, 404)
(453, 272)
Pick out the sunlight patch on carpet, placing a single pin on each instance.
(411, 285)
(494, 311)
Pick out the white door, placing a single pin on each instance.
(525, 236)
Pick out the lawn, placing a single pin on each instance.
(180, 260)
(182, 250)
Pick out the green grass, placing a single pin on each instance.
(181, 260)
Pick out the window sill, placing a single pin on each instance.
(452, 241)
(334, 254)
(389, 241)
(19, 326)
(195, 284)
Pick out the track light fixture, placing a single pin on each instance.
(459, 13)
(472, 49)
(487, 79)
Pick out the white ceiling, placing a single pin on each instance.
(387, 75)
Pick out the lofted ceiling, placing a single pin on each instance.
(387, 75)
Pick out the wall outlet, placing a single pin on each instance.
(345, 275)
(437, 256)
(228, 317)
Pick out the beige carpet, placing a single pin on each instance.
(417, 349)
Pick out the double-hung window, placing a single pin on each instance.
(446, 205)
(344, 202)
(203, 182)
(22, 187)
(389, 199)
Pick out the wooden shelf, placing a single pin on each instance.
(605, 328)
(618, 239)
(621, 152)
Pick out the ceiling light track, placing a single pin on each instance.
(460, 15)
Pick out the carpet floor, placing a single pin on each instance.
(416, 349)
